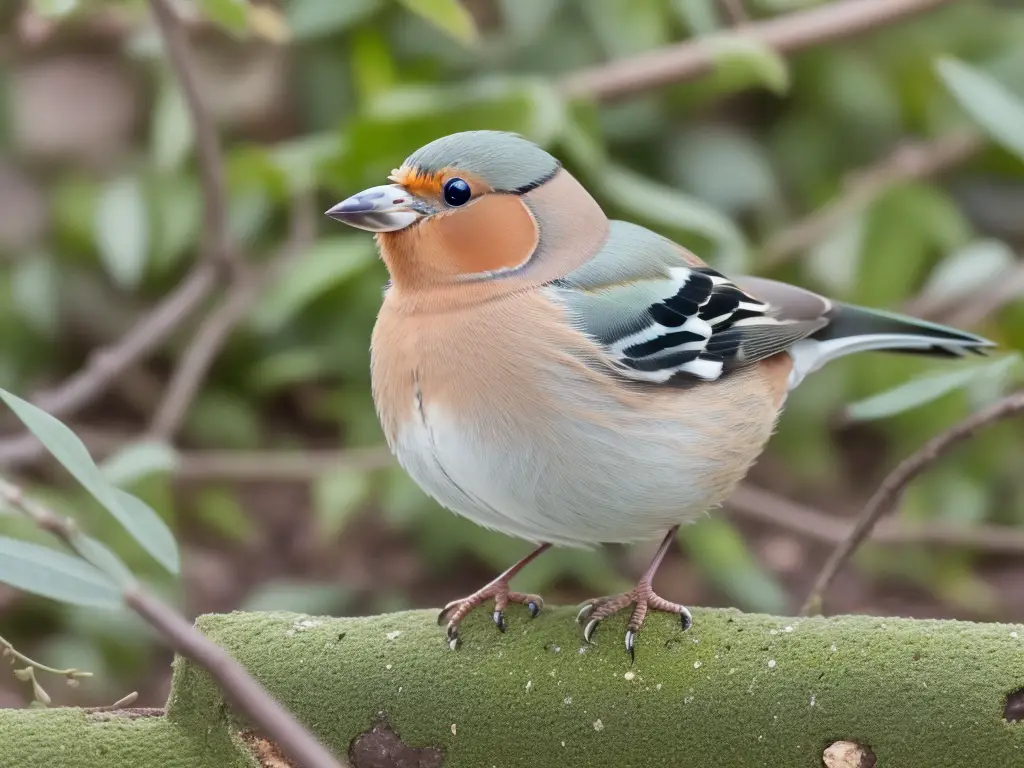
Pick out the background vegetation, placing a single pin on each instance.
(268, 465)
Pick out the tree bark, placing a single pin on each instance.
(735, 690)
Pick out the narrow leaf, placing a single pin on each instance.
(138, 460)
(54, 9)
(447, 15)
(122, 231)
(145, 526)
(231, 15)
(757, 61)
(172, 127)
(926, 389)
(992, 106)
(49, 573)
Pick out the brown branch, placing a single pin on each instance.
(218, 245)
(736, 12)
(767, 507)
(891, 490)
(214, 332)
(908, 162)
(247, 695)
(785, 34)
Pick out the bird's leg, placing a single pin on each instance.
(643, 599)
(457, 610)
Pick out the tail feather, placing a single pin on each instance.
(856, 329)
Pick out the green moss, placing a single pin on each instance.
(70, 738)
(736, 690)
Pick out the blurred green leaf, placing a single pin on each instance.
(995, 109)
(231, 15)
(122, 231)
(172, 133)
(526, 19)
(145, 526)
(336, 496)
(55, 8)
(35, 288)
(721, 554)
(310, 19)
(659, 204)
(177, 214)
(221, 418)
(138, 460)
(297, 597)
(100, 555)
(329, 263)
(447, 15)
(834, 261)
(925, 389)
(743, 58)
(699, 16)
(967, 269)
(49, 573)
(219, 510)
(626, 27)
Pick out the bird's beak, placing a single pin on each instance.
(387, 208)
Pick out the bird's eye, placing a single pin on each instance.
(456, 192)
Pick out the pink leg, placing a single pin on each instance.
(643, 599)
(498, 590)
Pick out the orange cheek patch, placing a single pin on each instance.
(495, 232)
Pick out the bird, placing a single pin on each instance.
(573, 380)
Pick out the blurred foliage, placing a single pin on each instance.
(101, 216)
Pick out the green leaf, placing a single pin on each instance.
(145, 526)
(173, 135)
(662, 205)
(35, 289)
(46, 572)
(331, 262)
(219, 510)
(232, 15)
(699, 16)
(336, 496)
(121, 230)
(99, 555)
(54, 9)
(310, 19)
(967, 269)
(447, 15)
(925, 389)
(138, 460)
(749, 60)
(994, 107)
(721, 554)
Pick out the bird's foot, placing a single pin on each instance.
(498, 589)
(643, 599)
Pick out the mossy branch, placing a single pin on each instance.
(736, 690)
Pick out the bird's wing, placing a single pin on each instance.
(661, 313)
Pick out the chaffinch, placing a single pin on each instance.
(571, 380)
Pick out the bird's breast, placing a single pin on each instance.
(504, 414)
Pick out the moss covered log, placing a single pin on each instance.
(736, 690)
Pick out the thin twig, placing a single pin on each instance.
(214, 332)
(218, 244)
(891, 490)
(906, 163)
(767, 507)
(785, 34)
(248, 696)
(106, 364)
(736, 12)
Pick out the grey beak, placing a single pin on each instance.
(378, 209)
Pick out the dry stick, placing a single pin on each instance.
(767, 507)
(792, 32)
(891, 490)
(908, 162)
(216, 329)
(275, 721)
(217, 242)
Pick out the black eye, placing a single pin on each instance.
(456, 192)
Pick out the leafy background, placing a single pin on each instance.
(275, 485)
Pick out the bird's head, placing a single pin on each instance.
(472, 205)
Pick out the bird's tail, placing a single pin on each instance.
(857, 329)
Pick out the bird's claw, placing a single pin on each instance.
(499, 620)
(588, 631)
(630, 642)
(534, 608)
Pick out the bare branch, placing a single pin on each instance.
(908, 162)
(216, 329)
(218, 245)
(891, 490)
(251, 698)
(767, 507)
(786, 34)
